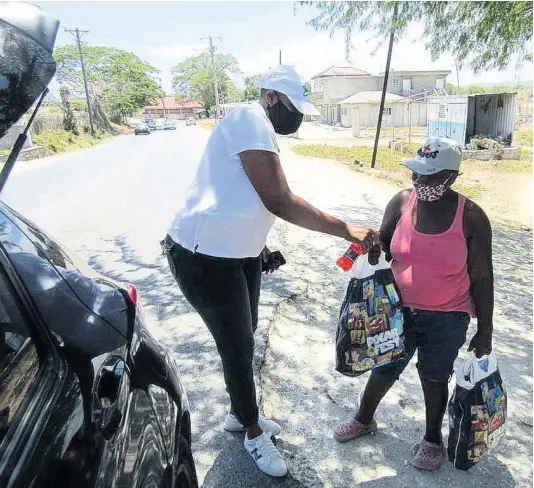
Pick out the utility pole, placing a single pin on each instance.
(385, 87)
(215, 84)
(280, 57)
(457, 75)
(77, 33)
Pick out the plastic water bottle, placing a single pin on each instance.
(346, 261)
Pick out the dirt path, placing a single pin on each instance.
(303, 392)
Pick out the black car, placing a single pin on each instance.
(88, 398)
(142, 129)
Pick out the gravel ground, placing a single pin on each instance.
(113, 204)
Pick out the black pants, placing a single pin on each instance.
(225, 293)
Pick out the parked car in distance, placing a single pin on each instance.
(190, 121)
(151, 124)
(160, 124)
(170, 124)
(142, 129)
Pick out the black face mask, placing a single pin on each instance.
(284, 121)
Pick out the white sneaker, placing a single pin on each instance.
(265, 455)
(231, 424)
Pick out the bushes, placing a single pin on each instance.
(57, 141)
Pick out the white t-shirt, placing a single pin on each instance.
(223, 215)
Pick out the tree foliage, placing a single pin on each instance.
(481, 35)
(251, 91)
(193, 78)
(120, 82)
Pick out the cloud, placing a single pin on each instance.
(175, 52)
(319, 51)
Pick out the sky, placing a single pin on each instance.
(166, 33)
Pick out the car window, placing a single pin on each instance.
(19, 361)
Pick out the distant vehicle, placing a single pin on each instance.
(190, 121)
(160, 124)
(151, 124)
(170, 124)
(142, 129)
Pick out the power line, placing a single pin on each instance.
(67, 29)
(215, 84)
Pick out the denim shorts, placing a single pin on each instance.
(437, 337)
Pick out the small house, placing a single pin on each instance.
(362, 109)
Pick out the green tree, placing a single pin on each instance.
(193, 78)
(234, 93)
(251, 91)
(481, 35)
(69, 121)
(120, 82)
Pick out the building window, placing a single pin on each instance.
(440, 83)
(406, 85)
(386, 111)
(396, 82)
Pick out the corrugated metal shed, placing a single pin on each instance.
(464, 116)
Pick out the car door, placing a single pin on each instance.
(99, 428)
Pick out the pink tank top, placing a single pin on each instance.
(431, 269)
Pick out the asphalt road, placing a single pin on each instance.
(113, 203)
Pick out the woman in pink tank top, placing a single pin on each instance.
(439, 245)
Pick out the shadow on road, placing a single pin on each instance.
(304, 391)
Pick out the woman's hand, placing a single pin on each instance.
(365, 236)
(373, 256)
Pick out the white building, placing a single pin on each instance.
(361, 110)
(337, 83)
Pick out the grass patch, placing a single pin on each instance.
(206, 124)
(385, 159)
(388, 165)
(523, 136)
(58, 141)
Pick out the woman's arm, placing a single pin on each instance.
(389, 224)
(477, 229)
(267, 176)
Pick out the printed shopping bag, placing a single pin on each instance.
(370, 330)
(477, 411)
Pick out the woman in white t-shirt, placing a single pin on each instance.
(217, 240)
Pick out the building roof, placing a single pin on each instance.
(373, 97)
(444, 72)
(174, 103)
(341, 71)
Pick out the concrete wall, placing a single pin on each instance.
(419, 83)
(339, 88)
(399, 116)
(8, 141)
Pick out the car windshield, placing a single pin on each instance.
(26, 68)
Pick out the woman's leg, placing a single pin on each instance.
(218, 291)
(375, 390)
(436, 395)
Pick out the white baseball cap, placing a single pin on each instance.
(284, 79)
(435, 155)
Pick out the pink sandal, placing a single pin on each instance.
(427, 455)
(352, 428)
